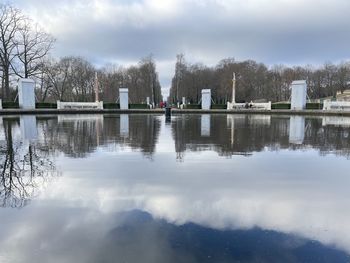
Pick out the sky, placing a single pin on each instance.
(291, 32)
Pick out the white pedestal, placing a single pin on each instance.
(124, 99)
(336, 105)
(26, 95)
(80, 105)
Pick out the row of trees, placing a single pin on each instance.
(25, 48)
(24, 53)
(142, 80)
(73, 79)
(254, 81)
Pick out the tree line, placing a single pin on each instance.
(74, 79)
(25, 53)
(254, 81)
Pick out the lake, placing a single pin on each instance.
(195, 188)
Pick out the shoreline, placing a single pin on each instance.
(4, 112)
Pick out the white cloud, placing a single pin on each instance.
(270, 31)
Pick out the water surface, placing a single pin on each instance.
(198, 188)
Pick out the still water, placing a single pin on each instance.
(198, 188)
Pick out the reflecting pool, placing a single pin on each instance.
(197, 188)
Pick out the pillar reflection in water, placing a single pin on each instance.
(231, 125)
(29, 130)
(205, 125)
(124, 125)
(296, 129)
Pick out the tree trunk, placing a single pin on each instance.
(6, 85)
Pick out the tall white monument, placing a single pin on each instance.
(26, 96)
(97, 99)
(252, 105)
(124, 99)
(233, 89)
(206, 99)
(298, 100)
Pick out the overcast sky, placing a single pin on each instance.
(123, 31)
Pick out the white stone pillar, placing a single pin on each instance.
(206, 99)
(298, 100)
(0, 104)
(26, 95)
(124, 99)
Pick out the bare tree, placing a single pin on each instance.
(81, 79)
(149, 75)
(342, 77)
(44, 83)
(57, 74)
(110, 79)
(10, 23)
(180, 68)
(33, 46)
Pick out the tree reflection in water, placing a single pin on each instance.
(25, 167)
(244, 134)
(80, 135)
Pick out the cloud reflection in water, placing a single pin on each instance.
(282, 191)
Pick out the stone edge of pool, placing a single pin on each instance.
(174, 111)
